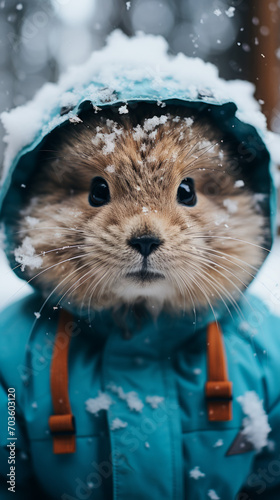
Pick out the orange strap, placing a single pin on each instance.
(62, 423)
(218, 388)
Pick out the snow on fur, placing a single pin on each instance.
(231, 206)
(114, 71)
(256, 426)
(26, 256)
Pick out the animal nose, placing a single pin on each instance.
(145, 244)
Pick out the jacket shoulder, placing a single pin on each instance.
(260, 327)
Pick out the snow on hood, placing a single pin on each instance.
(135, 69)
(113, 74)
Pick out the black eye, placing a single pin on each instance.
(186, 193)
(99, 192)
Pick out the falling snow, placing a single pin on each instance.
(230, 11)
(197, 371)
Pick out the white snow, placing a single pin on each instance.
(102, 402)
(109, 140)
(138, 133)
(213, 495)
(123, 110)
(197, 371)
(153, 135)
(231, 206)
(117, 423)
(128, 5)
(266, 284)
(188, 121)
(255, 425)
(196, 473)
(133, 401)
(218, 443)
(230, 11)
(74, 119)
(37, 315)
(205, 144)
(217, 12)
(31, 221)
(26, 256)
(116, 67)
(131, 398)
(145, 210)
(151, 123)
(110, 169)
(239, 183)
(154, 401)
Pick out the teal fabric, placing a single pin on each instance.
(153, 455)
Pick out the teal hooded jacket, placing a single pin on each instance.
(141, 425)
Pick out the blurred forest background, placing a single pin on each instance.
(39, 39)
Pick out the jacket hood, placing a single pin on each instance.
(128, 70)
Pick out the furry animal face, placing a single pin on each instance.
(139, 207)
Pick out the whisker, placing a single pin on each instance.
(206, 236)
(182, 293)
(61, 228)
(210, 282)
(195, 281)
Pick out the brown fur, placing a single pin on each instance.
(208, 255)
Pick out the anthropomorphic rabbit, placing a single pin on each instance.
(140, 206)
